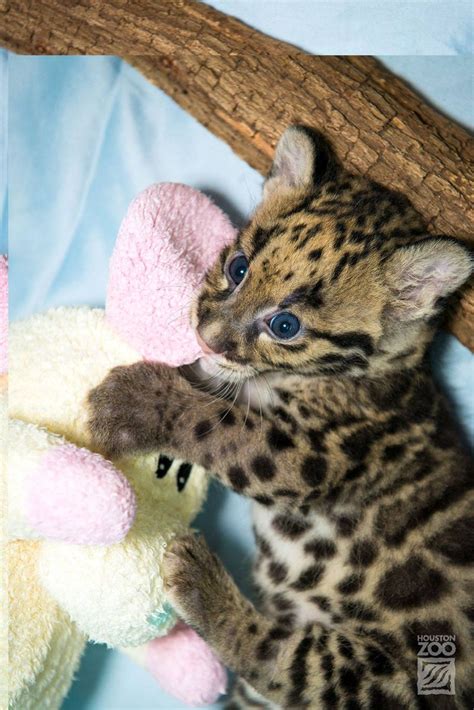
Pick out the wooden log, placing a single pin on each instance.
(247, 87)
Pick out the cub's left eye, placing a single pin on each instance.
(237, 268)
(284, 325)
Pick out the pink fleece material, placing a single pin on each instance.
(186, 667)
(3, 314)
(169, 238)
(77, 496)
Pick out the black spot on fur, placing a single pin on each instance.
(252, 629)
(315, 254)
(421, 400)
(290, 526)
(411, 584)
(397, 521)
(352, 339)
(327, 665)
(322, 602)
(321, 549)
(330, 698)
(203, 429)
(316, 438)
(346, 525)
(267, 649)
(357, 610)
(309, 294)
(321, 642)
(308, 578)
(278, 633)
(387, 394)
(285, 493)
(274, 685)
(393, 452)
(277, 572)
(379, 662)
(310, 498)
(298, 671)
(456, 541)
(340, 266)
(279, 440)
(313, 470)
(349, 679)
(357, 444)
(304, 411)
(238, 478)
(378, 700)
(227, 417)
(264, 468)
(355, 472)
(352, 704)
(287, 620)
(282, 603)
(263, 545)
(285, 417)
(363, 553)
(351, 584)
(345, 647)
(264, 500)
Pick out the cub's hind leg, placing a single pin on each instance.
(314, 667)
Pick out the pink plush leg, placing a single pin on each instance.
(77, 496)
(186, 667)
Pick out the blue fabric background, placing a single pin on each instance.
(86, 134)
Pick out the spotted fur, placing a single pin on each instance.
(363, 492)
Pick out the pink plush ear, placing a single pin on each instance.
(3, 314)
(169, 238)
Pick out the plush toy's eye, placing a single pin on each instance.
(284, 325)
(237, 268)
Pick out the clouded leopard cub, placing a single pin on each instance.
(363, 517)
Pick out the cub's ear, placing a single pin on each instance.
(303, 159)
(420, 275)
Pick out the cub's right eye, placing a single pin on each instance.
(237, 268)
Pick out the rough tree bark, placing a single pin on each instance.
(247, 87)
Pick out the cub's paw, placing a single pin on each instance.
(195, 581)
(130, 408)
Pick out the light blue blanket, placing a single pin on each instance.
(87, 134)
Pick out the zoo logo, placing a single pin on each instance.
(436, 665)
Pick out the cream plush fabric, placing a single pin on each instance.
(65, 585)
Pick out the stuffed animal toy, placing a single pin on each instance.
(88, 535)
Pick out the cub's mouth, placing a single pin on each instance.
(226, 369)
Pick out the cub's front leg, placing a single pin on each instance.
(137, 407)
(147, 406)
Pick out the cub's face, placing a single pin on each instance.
(333, 275)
